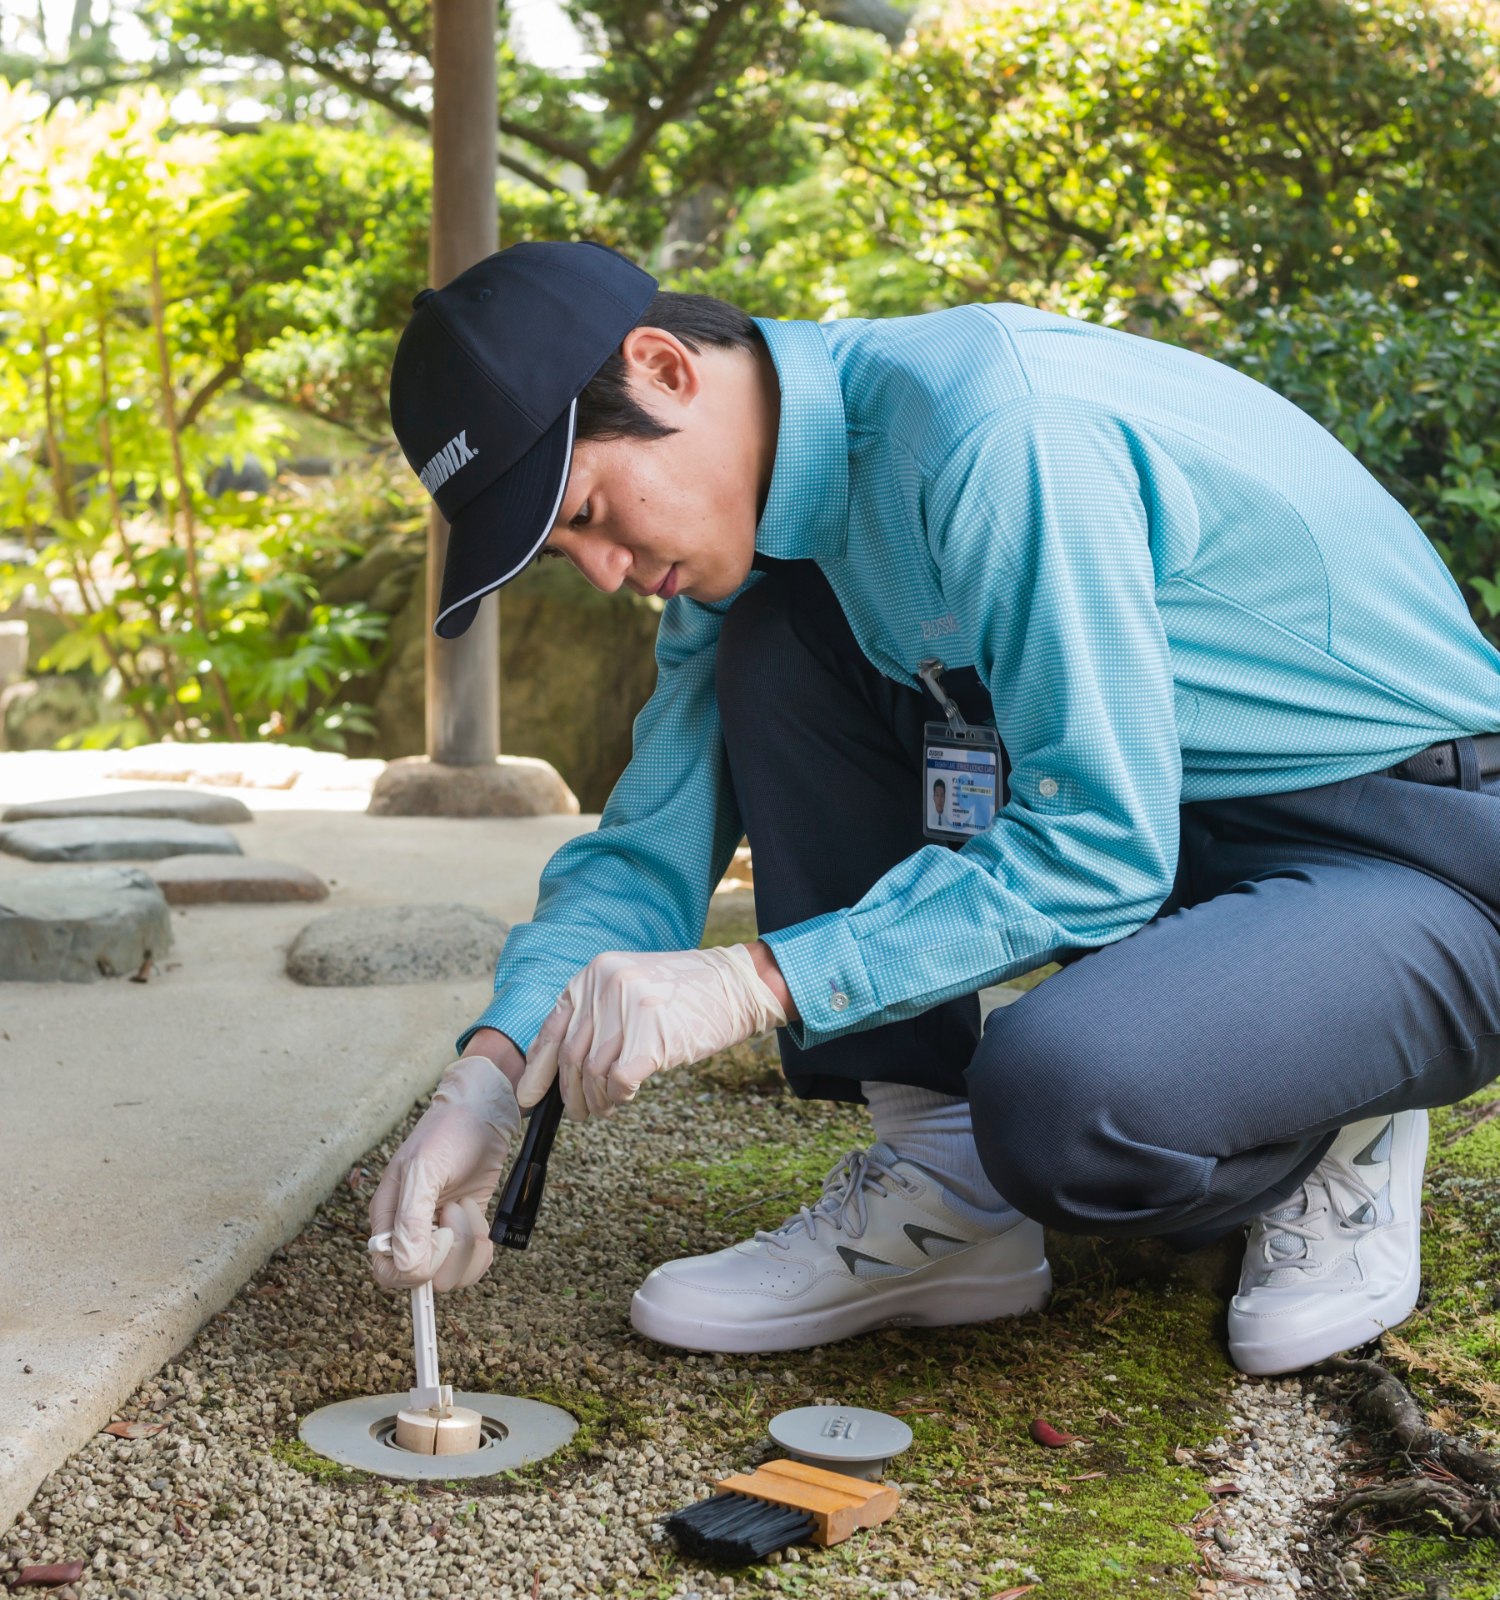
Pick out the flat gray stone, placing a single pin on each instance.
(180, 805)
(79, 924)
(114, 839)
(197, 880)
(396, 944)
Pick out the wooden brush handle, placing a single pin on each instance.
(839, 1505)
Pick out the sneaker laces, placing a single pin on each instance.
(842, 1205)
(1283, 1230)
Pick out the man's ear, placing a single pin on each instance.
(660, 369)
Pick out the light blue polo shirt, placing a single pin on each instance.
(1177, 586)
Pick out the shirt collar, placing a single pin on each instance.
(807, 510)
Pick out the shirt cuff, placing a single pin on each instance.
(518, 1011)
(825, 972)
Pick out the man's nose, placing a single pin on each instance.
(604, 563)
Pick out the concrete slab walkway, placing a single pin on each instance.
(159, 1140)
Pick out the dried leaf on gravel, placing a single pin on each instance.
(1013, 1594)
(50, 1576)
(1225, 1488)
(135, 1430)
(1045, 1434)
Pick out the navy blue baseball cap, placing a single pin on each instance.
(484, 399)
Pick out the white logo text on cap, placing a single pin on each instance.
(446, 462)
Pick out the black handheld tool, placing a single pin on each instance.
(521, 1198)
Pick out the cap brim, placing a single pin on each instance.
(504, 526)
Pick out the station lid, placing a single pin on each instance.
(840, 1434)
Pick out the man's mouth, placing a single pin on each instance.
(668, 585)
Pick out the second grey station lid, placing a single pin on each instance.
(840, 1436)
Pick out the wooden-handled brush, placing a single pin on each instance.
(781, 1503)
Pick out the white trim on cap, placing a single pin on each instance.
(562, 489)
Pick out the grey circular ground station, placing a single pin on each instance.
(361, 1433)
(845, 1439)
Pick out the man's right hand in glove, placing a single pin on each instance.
(433, 1195)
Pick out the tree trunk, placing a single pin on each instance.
(463, 675)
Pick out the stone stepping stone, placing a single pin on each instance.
(509, 786)
(114, 839)
(364, 945)
(79, 924)
(198, 880)
(178, 805)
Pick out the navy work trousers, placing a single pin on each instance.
(1325, 956)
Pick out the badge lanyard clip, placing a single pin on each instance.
(930, 672)
(961, 789)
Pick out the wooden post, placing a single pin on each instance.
(463, 675)
(463, 774)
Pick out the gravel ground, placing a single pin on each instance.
(1283, 1450)
(225, 1500)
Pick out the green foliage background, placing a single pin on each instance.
(1304, 188)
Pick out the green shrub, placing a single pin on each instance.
(1138, 160)
(121, 345)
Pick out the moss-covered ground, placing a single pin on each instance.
(1130, 1353)
(1136, 1328)
(1128, 1356)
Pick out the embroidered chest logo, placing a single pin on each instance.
(938, 626)
(455, 454)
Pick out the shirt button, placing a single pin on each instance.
(838, 1000)
(1047, 788)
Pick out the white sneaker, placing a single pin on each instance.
(1343, 1261)
(886, 1246)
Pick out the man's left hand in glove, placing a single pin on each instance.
(627, 1015)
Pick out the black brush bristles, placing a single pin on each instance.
(737, 1528)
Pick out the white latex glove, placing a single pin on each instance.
(626, 1016)
(445, 1171)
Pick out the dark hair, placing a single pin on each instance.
(606, 408)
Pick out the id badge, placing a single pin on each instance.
(961, 785)
(961, 780)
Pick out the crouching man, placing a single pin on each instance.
(1213, 729)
